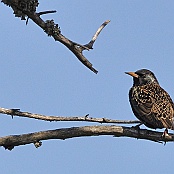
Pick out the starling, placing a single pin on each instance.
(150, 103)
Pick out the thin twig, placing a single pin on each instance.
(86, 118)
(42, 13)
(46, 12)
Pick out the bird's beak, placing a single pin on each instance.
(132, 74)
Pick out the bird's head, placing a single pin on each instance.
(143, 77)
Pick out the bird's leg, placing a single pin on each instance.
(13, 111)
(164, 135)
(137, 127)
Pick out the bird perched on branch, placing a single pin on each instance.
(150, 103)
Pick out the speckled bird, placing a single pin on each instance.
(150, 103)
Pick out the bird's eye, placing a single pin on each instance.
(142, 75)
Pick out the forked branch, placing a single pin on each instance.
(26, 9)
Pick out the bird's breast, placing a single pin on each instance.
(139, 95)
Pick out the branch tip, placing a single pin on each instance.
(46, 12)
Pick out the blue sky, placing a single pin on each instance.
(42, 76)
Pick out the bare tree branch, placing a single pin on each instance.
(9, 142)
(27, 9)
(17, 112)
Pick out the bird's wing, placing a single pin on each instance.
(143, 111)
(154, 108)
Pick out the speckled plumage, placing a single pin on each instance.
(150, 103)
